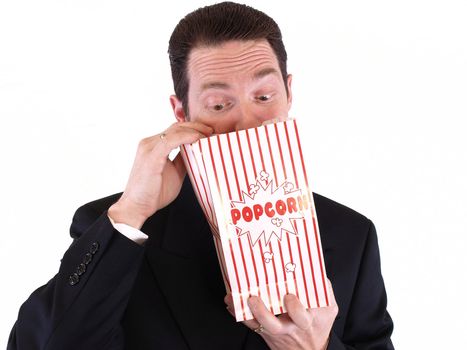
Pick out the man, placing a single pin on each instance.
(137, 276)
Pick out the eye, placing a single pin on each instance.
(263, 98)
(218, 107)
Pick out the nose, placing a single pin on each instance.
(249, 118)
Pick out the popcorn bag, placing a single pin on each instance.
(253, 189)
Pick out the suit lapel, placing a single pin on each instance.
(184, 262)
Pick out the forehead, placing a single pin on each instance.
(230, 60)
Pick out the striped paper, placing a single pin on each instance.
(253, 188)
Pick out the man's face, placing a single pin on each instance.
(235, 86)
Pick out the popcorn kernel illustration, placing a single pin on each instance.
(267, 256)
(290, 267)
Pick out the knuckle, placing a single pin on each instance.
(175, 127)
(306, 324)
(294, 333)
(275, 330)
(144, 143)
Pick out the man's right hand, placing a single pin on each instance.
(155, 180)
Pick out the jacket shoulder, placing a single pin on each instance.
(88, 213)
(339, 223)
(329, 207)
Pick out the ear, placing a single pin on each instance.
(177, 107)
(289, 87)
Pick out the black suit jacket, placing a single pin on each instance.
(111, 293)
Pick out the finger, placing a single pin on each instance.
(269, 321)
(333, 307)
(178, 134)
(274, 120)
(202, 128)
(297, 312)
(173, 138)
(228, 300)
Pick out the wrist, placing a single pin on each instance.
(125, 213)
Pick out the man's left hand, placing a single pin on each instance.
(299, 328)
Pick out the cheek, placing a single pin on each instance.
(277, 111)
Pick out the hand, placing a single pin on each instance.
(155, 181)
(299, 328)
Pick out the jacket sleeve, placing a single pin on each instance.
(82, 305)
(368, 325)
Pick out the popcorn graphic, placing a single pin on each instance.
(264, 176)
(276, 221)
(288, 187)
(268, 202)
(290, 267)
(253, 189)
(267, 256)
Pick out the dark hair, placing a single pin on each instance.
(213, 25)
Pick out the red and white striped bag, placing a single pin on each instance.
(252, 186)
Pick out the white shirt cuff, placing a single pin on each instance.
(130, 232)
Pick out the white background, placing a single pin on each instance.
(379, 89)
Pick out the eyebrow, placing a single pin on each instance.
(214, 85)
(257, 76)
(264, 72)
